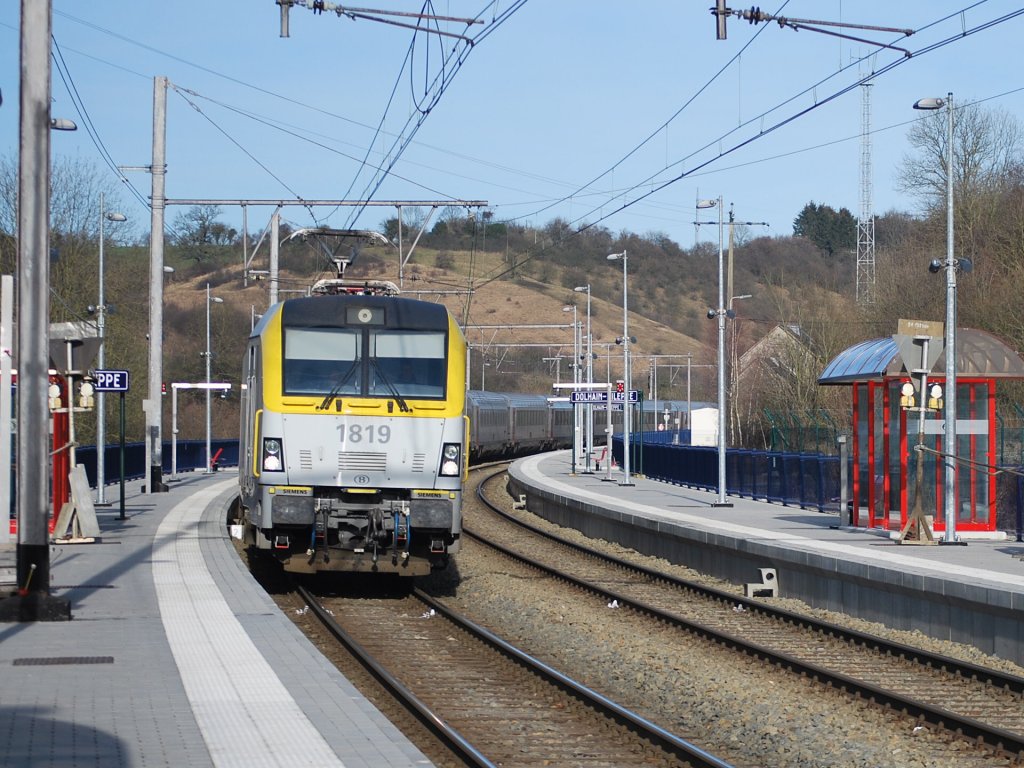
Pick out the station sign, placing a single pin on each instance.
(587, 396)
(110, 381)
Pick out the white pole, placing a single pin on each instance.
(174, 432)
(209, 300)
(577, 412)
(208, 456)
(589, 410)
(153, 406)
(101, 421)
(950, 442)
(608, 433)
(6, 347)
(626, 377)
(101, 325)
(721, 502)
(33, 555)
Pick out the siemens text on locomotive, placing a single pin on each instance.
(354, 437)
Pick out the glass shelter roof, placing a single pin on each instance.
(979, 353)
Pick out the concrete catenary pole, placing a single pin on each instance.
(153, 406)
(33, 548)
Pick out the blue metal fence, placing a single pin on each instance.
(191, 456)
(794, 479)
(806, 480)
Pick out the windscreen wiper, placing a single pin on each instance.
(392, 389)
(336, 389)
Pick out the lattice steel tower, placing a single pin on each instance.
(866, 222)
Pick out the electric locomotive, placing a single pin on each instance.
(353, 444)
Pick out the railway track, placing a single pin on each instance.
(967, 700)
(491, 703)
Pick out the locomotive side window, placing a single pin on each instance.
(409, 363)
(321, 360)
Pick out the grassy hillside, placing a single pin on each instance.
(511, 304)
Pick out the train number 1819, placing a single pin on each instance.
(368, 433)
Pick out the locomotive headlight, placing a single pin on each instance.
(272, 455)
(451, 454)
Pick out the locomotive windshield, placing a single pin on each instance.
(364, 363)
(412, 362)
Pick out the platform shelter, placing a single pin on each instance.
(882, 451)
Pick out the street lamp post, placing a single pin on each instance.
(209, 300)
(949, 410)
(720, 313)
(101, 324)
(577, 424)
(627, 416)
(588, 409)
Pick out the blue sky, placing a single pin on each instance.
(622, 113)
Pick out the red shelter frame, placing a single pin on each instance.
(884, 456)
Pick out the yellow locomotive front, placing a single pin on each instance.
(353, 442)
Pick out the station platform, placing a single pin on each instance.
(972, 594)
(174, 656)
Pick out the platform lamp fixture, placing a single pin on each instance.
(209, 300)
(627, 416)
(721, 313)
(101, 323)
(951, 265)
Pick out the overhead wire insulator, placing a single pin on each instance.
(754, 15)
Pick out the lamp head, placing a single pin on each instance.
(62, 124)
(935, 266)
(702, 204)
(582, 289)
(930, 103)
(712, 314)
(114, 216)
(965, 265)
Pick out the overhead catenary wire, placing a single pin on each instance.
(621, 195)
(400, 144)
(809, 90)
(657, 186)
(69, 84)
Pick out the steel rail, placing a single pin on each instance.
(448, 735)
(997, 738)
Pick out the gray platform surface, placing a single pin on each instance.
(174, 656)
(972, 594)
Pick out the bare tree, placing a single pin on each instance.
(987, 144)
(75, 189)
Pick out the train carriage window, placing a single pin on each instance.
(321, 360)
(410, 363)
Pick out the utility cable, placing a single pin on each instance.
(745, 142)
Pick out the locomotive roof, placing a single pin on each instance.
(329, 311)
